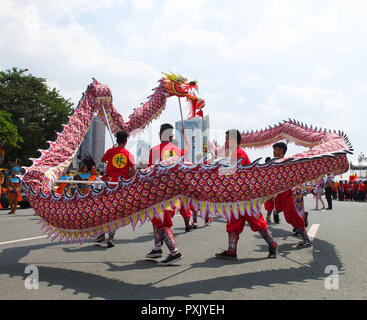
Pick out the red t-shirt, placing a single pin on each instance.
(119, 161)
(350, 188)
(163, 151)
(240, 153)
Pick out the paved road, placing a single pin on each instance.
(94, 272)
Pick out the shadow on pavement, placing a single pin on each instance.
(99, 286)
(90, 245)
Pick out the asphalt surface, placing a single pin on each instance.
(90, 271)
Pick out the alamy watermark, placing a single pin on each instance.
(332, 281)
(31, 281)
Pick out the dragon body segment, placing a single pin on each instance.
(98, 99)
(217, 189)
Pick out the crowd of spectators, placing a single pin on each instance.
(349, 191)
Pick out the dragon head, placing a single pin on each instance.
(177, 85)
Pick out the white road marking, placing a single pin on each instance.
(311, 234)
(20, 240)
(312, 231)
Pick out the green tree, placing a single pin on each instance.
(8, 130)
(37, 111)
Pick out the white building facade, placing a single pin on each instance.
(93, 145)
(197, 131)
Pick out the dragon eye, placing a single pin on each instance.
(192, 83)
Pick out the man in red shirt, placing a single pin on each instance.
(120, 162)
(350, 191)
(165, 150)
(355, 190)
(162, 230)
(360, 190)
(364, 191)
(235, 226)
(291, 203)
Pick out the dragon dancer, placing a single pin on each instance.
(291, 203)
(269, 204)
(171, 149)
(235, 226)
(120, 163)
(162, 230)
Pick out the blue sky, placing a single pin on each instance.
(257, 62)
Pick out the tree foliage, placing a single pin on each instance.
(37, 112)
(8, 130)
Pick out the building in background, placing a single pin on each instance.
(359, 166)
(197, 132)
(142, 154)
(93, 145)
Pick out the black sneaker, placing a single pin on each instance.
(172, 259)
(276, 218)
(296, 232)
(303, 244)
(154, 254)
(306, 219)
(110, 243)
(225, 255)
(187, 229)
(100, 238)
(273, 251)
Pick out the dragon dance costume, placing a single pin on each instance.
(154, 191)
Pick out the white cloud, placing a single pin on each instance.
(70, 56)
(70, 6)
(245, 31)
(251, 80)
(359, 87)
(142, 5)
(322, 107)
(183, 13)
(322, 73)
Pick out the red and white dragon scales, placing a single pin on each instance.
(207, 187)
